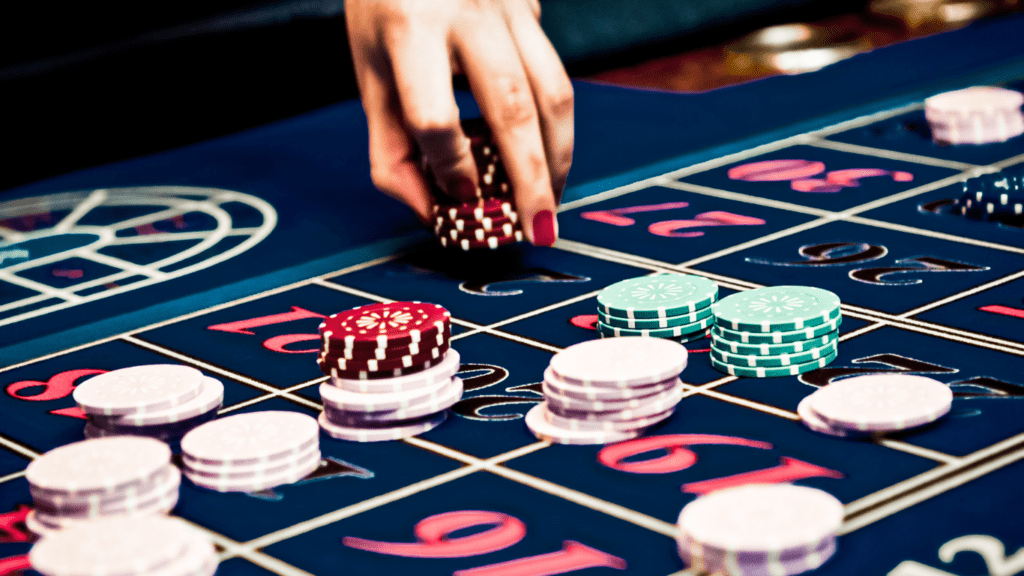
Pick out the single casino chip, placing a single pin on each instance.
(116, 547)
(385, 324)
(648, 408)
(451, 395)
(675, 332)
(98, 465)
(389, 353)
(442, 371)
(654, 323)
(333, 371)
(606, 425)
(156, 504)
(346, 401)
(976, 115)
(811, 420)
(483, 208)
(882, 402)
(342, 364)
(662, 296)
(777, 309)
(544, 430)
(767, 518)
(60, 500)
(773, 349)
(251, 438)
(138, 389)
(490, 242)
(710, 560)
(619, 362)
(693, 337)
(97, 427)
(382, 348)
(777, 337)
(479, 231)
(754, 361)
(382, 433)
(249, 470)
(210, 397)
(119, 502)
(487, 223)
(554, 385)
(794, 370)
(280, 477)
(557, 399)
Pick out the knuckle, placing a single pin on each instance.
(562, 162)
(559, 101)
(517, 107)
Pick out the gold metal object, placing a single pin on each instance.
(792, 49)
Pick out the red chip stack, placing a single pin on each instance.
(392, 372)
(491, 219)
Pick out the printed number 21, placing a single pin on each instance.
(434, 540)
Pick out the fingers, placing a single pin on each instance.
(393, 154)
(502, 89)
(552, 91)
(421, 65)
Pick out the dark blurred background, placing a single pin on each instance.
(83, 84)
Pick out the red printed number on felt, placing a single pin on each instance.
(799, 172)
(679, 457)
(432, 533)
(280, 343)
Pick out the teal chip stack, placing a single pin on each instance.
(672, 306)
(775, 332)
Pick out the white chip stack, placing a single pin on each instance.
(162, 401)
(610, 390)
(875, 404)
(758, 529)
(108, 477)
(391, 408)
(977, 115)
(157, 546)
(252, 452)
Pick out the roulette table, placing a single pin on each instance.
(226, 255)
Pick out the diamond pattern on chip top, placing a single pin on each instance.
(658, 296)
(777, 309)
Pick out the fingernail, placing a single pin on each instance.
(544, 228)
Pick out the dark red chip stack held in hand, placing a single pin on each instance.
(392, 372)
(491, 219)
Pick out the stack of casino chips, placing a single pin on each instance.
(392, 371)
(759, 529)
(101, 478)
(875, 404)
(673, 306)
(143, 546)
(995, 196)
(488, 221)
(251, 452)
(161, 401)
(775, 332)
(978, 115)
(605, 391)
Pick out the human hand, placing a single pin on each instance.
(405, 53)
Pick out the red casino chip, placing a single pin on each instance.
(393, 324)
(491, 242)
(371, 364)
(486, 207)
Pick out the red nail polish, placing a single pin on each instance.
(544, 228)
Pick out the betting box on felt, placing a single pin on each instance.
(226, 255)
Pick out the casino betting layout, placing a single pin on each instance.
(781, 332)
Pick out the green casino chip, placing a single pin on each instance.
(773, 361)
(645, 324)
(675, 332)
(777, 337)
(773, 349)
(777, 309)
(659, 296)
(793, 370)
